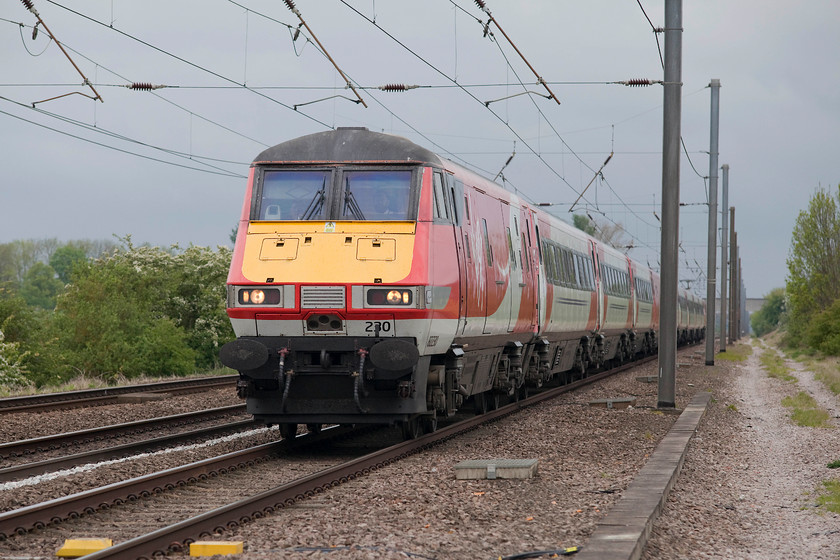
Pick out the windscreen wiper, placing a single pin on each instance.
(350, 202)
(315, 204)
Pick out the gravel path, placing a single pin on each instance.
(747, 489)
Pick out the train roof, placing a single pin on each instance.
(347, 145)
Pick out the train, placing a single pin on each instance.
(374, 281)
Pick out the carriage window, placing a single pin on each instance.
(512, 255)
(293, 195)
(488, 250)
(569, 262)
(441, 210)
(526, 258)
(376, 195)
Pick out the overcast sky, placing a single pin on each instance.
(169, 166)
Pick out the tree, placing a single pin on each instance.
(146, 310)
(12, 367)
(40, 286)
(768, 317)
(611, 233)
(813, 282)
(65, 258)
(584, 224)
(108, 324)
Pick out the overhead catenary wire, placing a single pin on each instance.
(105, 132)
(470, 94)
(188, 62)
(481, 4)
(170, 102)
(656, 32)
(557, 134)
(456, 84)
(31, 7)
(291, 5)
(227, 174)
(35, 36)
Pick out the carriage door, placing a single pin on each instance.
(600, 307)
(455, 194)
(529, 269)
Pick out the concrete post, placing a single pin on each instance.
(724, 222)
(670, 204)
(712, 243)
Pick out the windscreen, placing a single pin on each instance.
(376, 195)
(294, 195)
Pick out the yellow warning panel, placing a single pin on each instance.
(74, 548)
(210, 548)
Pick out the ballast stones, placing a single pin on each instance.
(614, 403)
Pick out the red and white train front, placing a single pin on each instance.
(329, 288)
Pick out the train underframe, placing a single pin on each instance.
(339, 380)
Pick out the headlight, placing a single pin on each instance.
(390, 296)
(259, 296)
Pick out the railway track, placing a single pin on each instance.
(56, 441)
(109, 395)
(23, 471)
(175, 535)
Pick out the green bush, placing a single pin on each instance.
(767, 318)
(823, 331)
(12, 368)
(144, 310)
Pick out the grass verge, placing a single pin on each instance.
(735, 353)
(826, 371)
(830, 495)
(775, 366)
(806, 411)
(82, 382)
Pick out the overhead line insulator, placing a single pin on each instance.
(144, 86)
(291, 6)
(639, 82)
(397, 87)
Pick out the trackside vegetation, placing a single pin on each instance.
(774, 363)
(735, 353)
(829, 496)
(806, 412)
(804, 316)
(813, 283)
(109, 311)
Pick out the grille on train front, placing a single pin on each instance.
(321, 297)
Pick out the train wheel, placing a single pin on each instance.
(495, 401)
(411, 429)
(430, 424)
(481, 404)
(314, 428)
(288, 431)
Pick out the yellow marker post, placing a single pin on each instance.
(210, 548)
(74, 548)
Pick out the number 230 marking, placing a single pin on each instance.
(381, 326)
